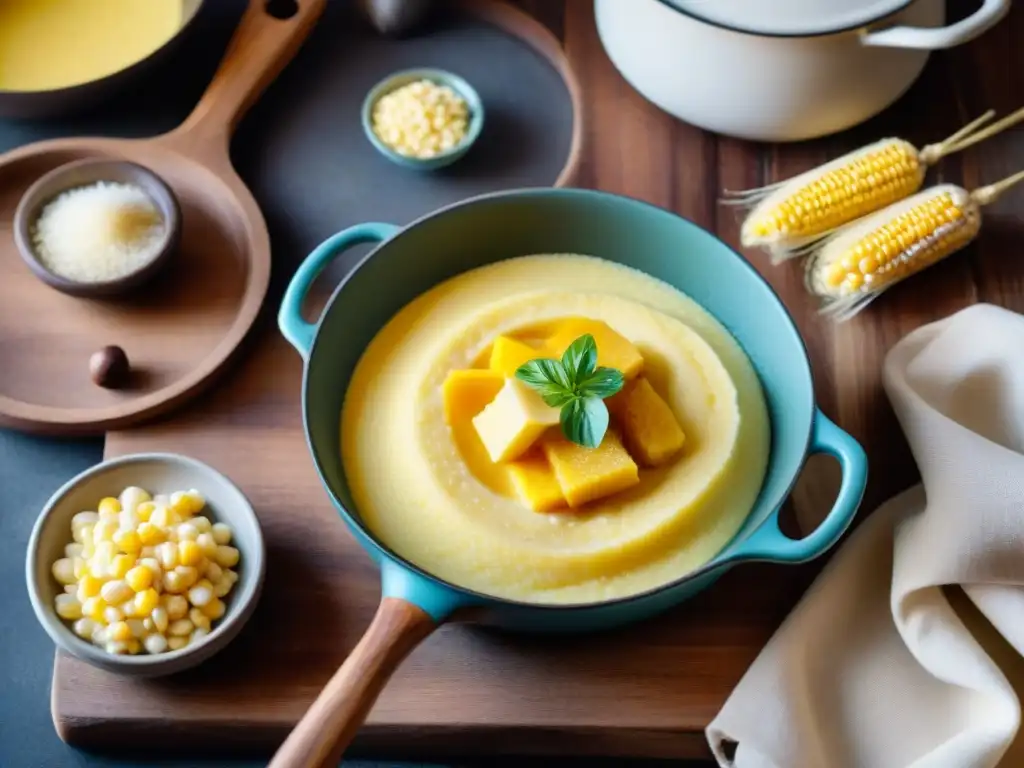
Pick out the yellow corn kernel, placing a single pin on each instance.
(134, 645)
(144, 511)
(119, 632)
(199, 619)
(227, 556)
(145, 601)
(190, 553)
(214, 609)
(177, 643)
(120, 565)
(891, 245)
(88, 586)
(139, 578)
(208, 544)
(127, 541)
(221, 533)
(80, 566)
(93, 608)
(108, 507)
(150, 535)
(187, 574)
(176, 605)
(116, 592)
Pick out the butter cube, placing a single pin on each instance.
(586, 474)
(535, 482)
(613, 349)
(508, 354)
(467, 392)
(649, 428)
(513, 421)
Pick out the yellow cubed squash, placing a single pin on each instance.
(613, 349)
(513, 421)
(650, 430)
(508, 354)
(535, 482)
(587, 474)
(467, 392)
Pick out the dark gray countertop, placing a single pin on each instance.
(31, 468)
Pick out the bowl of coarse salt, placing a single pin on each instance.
(97, 228)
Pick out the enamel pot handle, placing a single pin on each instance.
(410, 609)
(769, 543)
(289, 319)
(923, 38)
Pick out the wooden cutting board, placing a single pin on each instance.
(646, 690)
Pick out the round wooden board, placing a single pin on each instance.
(180, 329)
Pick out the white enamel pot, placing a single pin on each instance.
(785, 70)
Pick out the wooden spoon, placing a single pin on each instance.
(182, 331)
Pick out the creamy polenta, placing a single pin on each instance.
(428, 489)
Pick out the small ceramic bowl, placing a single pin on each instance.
(157, 473)
(474, 104)
(83, 173)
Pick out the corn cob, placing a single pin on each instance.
(852, 268)
(788, 218)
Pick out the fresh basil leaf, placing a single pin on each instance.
(580, 359)
(585, 421)
(547, 378)
(604, 382)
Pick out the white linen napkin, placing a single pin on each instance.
(876, 667)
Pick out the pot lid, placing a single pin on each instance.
(788, 17)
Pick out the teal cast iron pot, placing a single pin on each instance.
(407, 262)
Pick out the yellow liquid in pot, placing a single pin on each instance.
(49, 44)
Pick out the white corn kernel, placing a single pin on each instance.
(116, 592)
(227, 557)
(84, 518)
(148, 553)
(173, 582)
(112, 614)
(167, 554)
(177, 643)
(201, 593)
(180, 628)
(132, 496)
(71, 589)
(103, 531)
(155, 643)
(64, 571)
(137, 628)
(68, 607)
(187, 532)
(128, 520)
(198, 635)
(99, 634)
(202, 524)
(148, 624)
(84, 628)
(160, 618)
(221, 533)
(117, 648)
(73, 550)
(177, 607)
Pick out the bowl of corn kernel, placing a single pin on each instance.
(145, 564)
(423, 118)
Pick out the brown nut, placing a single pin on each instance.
(109, 367)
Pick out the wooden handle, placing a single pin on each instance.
(260, 48)
(329, 725)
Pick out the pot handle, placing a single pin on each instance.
(769, 543)
(411, 607)
(923, 38)
(289, 318)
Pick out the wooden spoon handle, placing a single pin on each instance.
(260, 48)
(328, 726)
